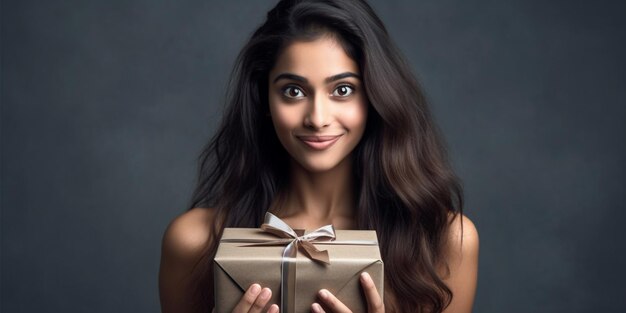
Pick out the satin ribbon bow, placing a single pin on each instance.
(277, 227)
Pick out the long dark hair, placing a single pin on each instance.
(406, 190)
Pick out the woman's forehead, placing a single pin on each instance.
(315, 60)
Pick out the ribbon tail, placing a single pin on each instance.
(312, 252)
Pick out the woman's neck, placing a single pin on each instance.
(314, 199)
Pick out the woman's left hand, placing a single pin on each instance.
(374, 302)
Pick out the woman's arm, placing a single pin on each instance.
(463, 262)
(184, 243)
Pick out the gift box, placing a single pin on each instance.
(295, 265)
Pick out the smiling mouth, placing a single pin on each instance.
(319, 142)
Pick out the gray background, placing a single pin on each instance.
(107, 104)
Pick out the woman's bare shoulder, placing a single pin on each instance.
(463, 235)
(189, 233)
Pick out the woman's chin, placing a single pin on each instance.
(319, 165)
(318, 168)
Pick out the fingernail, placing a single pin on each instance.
(365, 276)
(274, 308)
(266, 293)
(316, 308)
(256, 288)
(324, 294)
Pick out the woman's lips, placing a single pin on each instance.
(319, 142)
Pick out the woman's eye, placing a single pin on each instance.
(292, 92)
(343, 91)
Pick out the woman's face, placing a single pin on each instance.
(317, 103)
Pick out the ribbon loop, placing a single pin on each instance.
(278, 227)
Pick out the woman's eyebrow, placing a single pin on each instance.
(327, 80)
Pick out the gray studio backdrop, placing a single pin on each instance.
(107, 104)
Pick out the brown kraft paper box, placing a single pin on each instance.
(237, 266)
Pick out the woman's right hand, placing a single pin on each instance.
(254, 300)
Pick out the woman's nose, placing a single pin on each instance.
(318, 115)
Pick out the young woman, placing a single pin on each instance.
(327, 125)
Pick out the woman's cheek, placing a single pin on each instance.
(287, 117)
(355, 116)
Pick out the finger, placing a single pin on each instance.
(273, 309)
(332, 302)
(261, 301)
(316, 308)
(248, 298)
(374, 302)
